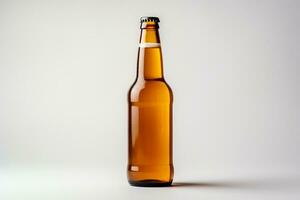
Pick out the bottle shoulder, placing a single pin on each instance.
(150, 90)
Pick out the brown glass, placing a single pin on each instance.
(150, 117)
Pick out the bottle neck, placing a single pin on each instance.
(150, 66)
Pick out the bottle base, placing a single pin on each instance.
(150, 183)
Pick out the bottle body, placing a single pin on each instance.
(150, 134)
(150, 119)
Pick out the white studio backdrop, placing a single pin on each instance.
(66, 67)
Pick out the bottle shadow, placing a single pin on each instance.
(217, 184)
(248, 184)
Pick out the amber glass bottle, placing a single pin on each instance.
(150, 114)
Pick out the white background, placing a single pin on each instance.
(66, 67)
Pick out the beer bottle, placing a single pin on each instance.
(150, 114)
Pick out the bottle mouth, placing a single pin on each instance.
(146, 25)
(149, 22)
